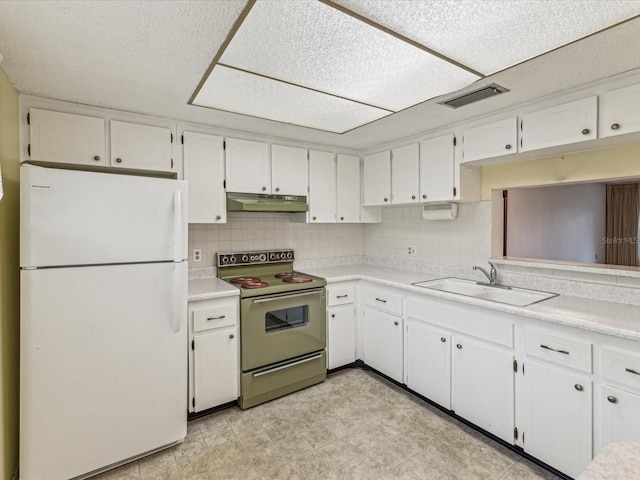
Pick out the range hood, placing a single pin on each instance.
(256, 202)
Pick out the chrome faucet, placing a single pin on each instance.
(491, 276)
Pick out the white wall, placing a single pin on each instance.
(264, 231)
(557, 223)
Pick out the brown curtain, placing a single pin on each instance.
(623, 210)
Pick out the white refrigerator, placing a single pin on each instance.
(103, 361)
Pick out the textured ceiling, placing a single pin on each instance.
(148, 57)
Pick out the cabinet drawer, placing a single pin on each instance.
(622, 367)
(385, 301)
(214, 317)
(556, 349)
(340, 295)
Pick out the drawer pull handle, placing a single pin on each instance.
(342, 296)
(554, 350)
(443, 340)
(579, 387)
(381, 300)
(216, 318)
(612, 399)
(630, 370)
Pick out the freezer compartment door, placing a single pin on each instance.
(103, 366)
(70, 217)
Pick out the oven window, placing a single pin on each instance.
(286, 318)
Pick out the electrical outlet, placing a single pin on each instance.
(197, 255)
(412, 251)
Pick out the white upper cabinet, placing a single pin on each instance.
(66, 138)
(141, 147)
(620, 111)
(347, 189)
(204, 170)
(437, 157)
(491, 140)
(560, 125)
(322, 187)
(405, 181)
(247, 166)
(377, 179)
(289, 170)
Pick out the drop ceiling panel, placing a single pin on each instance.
(249, 94)
(492, 35)
(311, 44)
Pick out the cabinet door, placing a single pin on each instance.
(348, 189)
(482, 386)
(428, 367)
(341, 336)
(66, 138)
(204, 170)
(557, 409)
(215, 358)
(620, 111)
(383, 342)
(620, 416)
(289, 170)
(247, 166)
(491, 140)
(141, 147)
(377, 179)
(437, 169)
(405, 179)
(322, 187)
(560, 125)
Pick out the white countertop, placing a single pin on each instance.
(609, 318)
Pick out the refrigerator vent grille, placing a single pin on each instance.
(471, 97)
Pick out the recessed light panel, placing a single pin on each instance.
(489, 36)
(242, 92)
(308, 43)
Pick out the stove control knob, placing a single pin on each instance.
(262, 257)
(225, 259)
(245, 258)
(232, 259)
(272, 256)
(290, 255)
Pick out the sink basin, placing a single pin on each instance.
(520, 297)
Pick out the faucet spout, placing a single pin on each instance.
(491, 276)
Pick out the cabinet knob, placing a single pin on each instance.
(97, 158)
(615, 126)
(612, 399)
(333, 315)
(314, 217)
(118, 160)
(579, 387)
(232, 336)
(508, 146)
(424, 195)
(443, 340)
(277, 189)
(413, 197)
(395, 323)
(218, 217)
(386, 199)
(585, 131)
(264, 189)
(459, 346)
(341, 218)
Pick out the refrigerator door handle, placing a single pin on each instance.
(179, 297)
(177, 226)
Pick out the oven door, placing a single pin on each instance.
(283, 326)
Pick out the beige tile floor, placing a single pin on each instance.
(355, 425)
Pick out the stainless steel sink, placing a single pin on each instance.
(520, 297)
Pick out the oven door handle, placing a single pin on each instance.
(282, 367)
(287, 296)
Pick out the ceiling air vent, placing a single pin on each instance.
(480, 94)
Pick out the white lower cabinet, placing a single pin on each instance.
(383, 342)
(619, 416)
(341, 336)
(213, 361)
(428, 362)
(557, 412)
(482, 386)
